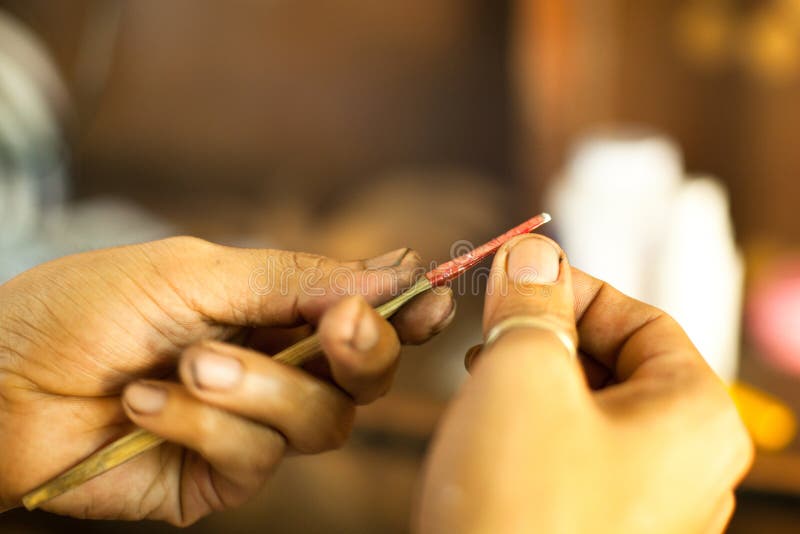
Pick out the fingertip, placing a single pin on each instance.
(448, 317)
(514, 241)
(531, 258)
(471, 355)
(534, 260)
(425, 316)
(144, 398)
(345, 332)
(411, 259)
(361, 347)
(339, 323)
(367, 331)
(530, 276)
(186, 371)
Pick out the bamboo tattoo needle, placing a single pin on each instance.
(139, 441)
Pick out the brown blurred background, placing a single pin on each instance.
(348, 127)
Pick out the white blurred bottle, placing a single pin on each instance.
(699, 275)
(625, 213)
(610, 204)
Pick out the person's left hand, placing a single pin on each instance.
(88, 344)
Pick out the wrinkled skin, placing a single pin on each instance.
(94, 343)
(635, 435)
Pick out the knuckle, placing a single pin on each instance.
(301, 260)
(742, 443)
(370, 395)
(185, 243)
(283, 403)
(737, 438)
(207, 425)
(747, 452)
(412, 258)
(263, 466)
(324, 424)
(335, 433)
(208, 434)
(265, 462)
(373, 369)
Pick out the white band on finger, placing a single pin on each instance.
(532, 321)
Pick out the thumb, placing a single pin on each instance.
(264, 287)
(529, 312)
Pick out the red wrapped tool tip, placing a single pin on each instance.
(453, 268)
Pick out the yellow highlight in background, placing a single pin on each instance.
(771, 423)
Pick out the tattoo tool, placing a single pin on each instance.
(139, 441)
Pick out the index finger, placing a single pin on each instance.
(258, 287)
(266, 287)
(620, 332)
(664, 379)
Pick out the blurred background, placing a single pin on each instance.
(659, 134)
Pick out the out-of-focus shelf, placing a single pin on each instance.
(775, 473)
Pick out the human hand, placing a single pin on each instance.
(82, 333)
(636, 435)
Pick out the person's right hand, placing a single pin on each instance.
(636, 435)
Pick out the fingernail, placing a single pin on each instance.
(390, 259)
(145, 398)
(411, 260)
(365, 331)
(533, 260)
(448, 319)
(212, 371)
(472, 352)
